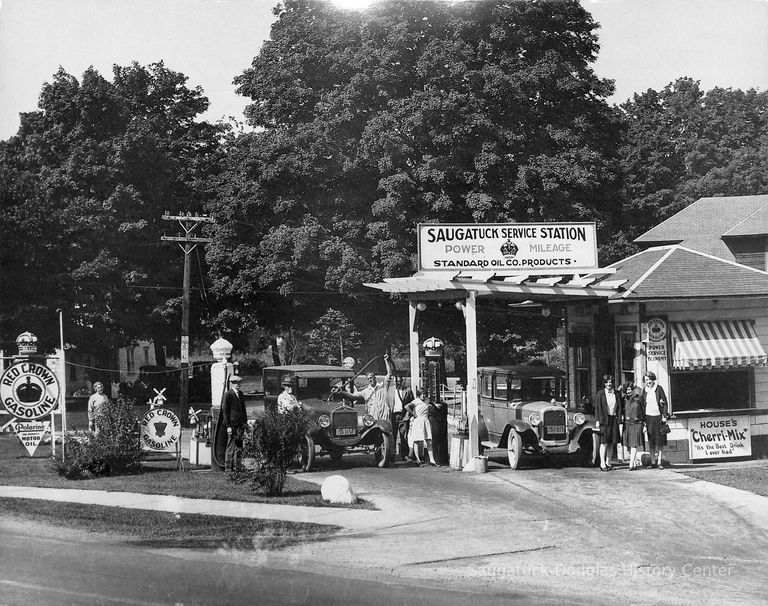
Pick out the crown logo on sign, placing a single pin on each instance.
(509, 249)
(29, 392)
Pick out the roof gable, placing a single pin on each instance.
(677, 272)
(702, 224)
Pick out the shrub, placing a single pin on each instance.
(113, 450)
(273, 442)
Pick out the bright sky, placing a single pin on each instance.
(644, 44)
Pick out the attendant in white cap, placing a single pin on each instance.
(286, 401)
(96, 403)
(235, 418)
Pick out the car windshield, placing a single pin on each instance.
(319, 388)
(541, 388)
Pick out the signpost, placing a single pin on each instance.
(30, 391)
(540, 248)
(717, 437)
(161, 432)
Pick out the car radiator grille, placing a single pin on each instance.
(555, 427)
(344, 423)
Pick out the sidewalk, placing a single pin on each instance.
(352, 519)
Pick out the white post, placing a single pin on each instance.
(413, 343)
(470, 321)
(63, 381)
(220, 370)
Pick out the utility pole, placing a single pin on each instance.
(187, 243)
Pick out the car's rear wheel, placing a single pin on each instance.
(383, 451)
(589, 448)
(514, 449)
(308, 454)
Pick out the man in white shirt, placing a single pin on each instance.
(374, 395)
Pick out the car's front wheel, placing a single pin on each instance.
(308, 454)
(384, 450)
(514, 449)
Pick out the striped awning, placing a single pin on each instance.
(718, 344)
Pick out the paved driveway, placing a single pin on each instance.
(651, 536)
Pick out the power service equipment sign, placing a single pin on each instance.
(29, 390)
(539, 248)
(160, 431)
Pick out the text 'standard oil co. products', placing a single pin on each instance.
(508, 247)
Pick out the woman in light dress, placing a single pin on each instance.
(420, 433)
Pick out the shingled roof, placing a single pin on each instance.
(703, 225)
(678, 272)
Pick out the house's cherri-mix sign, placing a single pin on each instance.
(508, 247)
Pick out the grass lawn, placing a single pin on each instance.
(158, 477)
(163, 529)
(753, 479)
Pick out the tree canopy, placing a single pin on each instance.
(682, 144)
(371, 122)
(83, 186)
(365, 124)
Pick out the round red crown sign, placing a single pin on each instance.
(29, 390)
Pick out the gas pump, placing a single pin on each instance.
(433, 376)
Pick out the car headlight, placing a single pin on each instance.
(579, 418)
(324, 421)
(534, 419)
(368, 420)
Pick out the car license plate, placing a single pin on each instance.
(346, 431)
(555, 428)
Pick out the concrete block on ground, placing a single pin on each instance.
(337, 489)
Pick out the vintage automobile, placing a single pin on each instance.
(523, 409)
(338, 426)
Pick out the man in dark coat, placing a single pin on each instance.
(234, 417)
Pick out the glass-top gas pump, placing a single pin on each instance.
(433, 377)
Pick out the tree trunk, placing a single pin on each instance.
(275, 352)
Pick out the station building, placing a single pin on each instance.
(691, 306)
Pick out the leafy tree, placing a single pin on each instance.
(682, 144)
(332, 338)
(371, 122)
(83, 186)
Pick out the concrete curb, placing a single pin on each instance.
(352, 519)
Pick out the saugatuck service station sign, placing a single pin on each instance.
(509, 247)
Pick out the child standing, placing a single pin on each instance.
(420, 435)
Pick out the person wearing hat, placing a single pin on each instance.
(235, 418)
(286, 401)
(96, 403)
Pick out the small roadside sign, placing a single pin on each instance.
(31, 433)
(161, 431)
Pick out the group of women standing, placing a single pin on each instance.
(641, 410)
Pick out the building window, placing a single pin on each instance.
(579, 343)
(583, 372)
(711, 389)
(129, 359)
(146, 356)
(626, 355)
